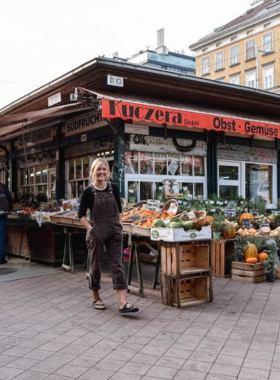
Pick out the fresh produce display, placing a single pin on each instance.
(246, 215)
(165, 215)
(251, 251)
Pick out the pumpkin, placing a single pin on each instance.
(229, 231)
(208, 220)
(246, 215)
(263, 256)
(251, 251)
(251, 260)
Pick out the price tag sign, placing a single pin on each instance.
(191, 215)
(153, 205)
(255, 213)
(247, 223)
(264, 225)
(230, 212)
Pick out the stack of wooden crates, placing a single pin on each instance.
(186, 277)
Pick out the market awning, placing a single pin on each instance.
(157, 111)
(21, 121)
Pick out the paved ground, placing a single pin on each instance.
(49, 330)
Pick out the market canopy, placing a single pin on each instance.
(149, 110)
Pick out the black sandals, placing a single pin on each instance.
(100, 305)
(128, 309)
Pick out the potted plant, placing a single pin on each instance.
(218, 225)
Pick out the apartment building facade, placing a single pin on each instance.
(245, 51)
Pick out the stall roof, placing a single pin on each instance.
(11, 124)
(159, 111)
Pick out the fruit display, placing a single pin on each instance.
(165, 215)
(262, 219)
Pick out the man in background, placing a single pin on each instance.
(6, 202)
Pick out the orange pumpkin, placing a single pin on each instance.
(251, 260)
(251, 251)
(246, 215)
(263, 256)
(229, 231)
(208, 220)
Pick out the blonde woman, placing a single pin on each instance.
(103, 199)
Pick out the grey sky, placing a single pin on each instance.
(43, 39)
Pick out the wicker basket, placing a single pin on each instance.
(199, 218)
(168, 203)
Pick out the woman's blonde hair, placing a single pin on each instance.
(95, 165)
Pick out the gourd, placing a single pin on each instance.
(251, 251)
(251, 260)
(270, 245)
(208, 220)
(246, 215)
(263, 256)
(229, 231)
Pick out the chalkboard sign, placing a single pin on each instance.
(153, 205)
(247, 223)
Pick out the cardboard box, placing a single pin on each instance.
(179, 234)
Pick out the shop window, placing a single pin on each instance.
(187, 190)
(131, 162)
(199, 166)
(174, 164)
(259, 182)
(78, 170)
(35, 180)
(44, 175)
(160, 164)
(234, 55)
(250, 50)
(146, 163)
(146, 190)
(229, 179)
(186, 165)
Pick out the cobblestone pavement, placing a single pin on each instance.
(49, 330)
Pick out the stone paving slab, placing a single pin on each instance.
(49, 330)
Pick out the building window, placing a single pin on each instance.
(38, 180)
(251, 79)
(267, 45)
(259, 182)
(268, 77)
(235, 79)
(234, 55)
(219, 60)
(250, 50)
(205, 65)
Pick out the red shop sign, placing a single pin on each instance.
(152, 114)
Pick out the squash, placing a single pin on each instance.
(208, 220)
(229, 231)
(270, 245)
(263, 256)
(251, 251)
(246, 215)
(251, 260)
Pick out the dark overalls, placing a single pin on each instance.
(107, 231)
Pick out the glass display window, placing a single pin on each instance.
(131, 162)
(229, 175)
(173, 164)
(259, 182)
(146, 190)
(187, 165)
(199, 166)
(146, 163)
(160, 163)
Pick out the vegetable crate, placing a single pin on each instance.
(179, 259)
(222, 255)
(245, 272)
(182, 291)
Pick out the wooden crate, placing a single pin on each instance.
(222, 255)
(248, 272)
(182, 291)
(179, 258)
